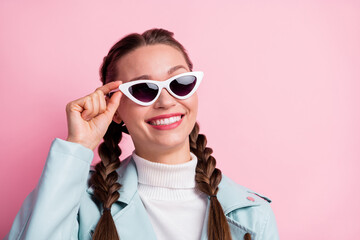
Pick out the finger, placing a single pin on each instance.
(88, 108)
(109, 86)
(114, 103)
(95, 101)
(102, 105)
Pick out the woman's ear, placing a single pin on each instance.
(117, 118)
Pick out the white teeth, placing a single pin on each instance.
(166, 121)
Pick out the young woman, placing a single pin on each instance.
(169, 188)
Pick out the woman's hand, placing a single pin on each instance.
(89, 117)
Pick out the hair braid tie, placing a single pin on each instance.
(247, 236)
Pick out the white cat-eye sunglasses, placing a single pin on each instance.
(146, 92)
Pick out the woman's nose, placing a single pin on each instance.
(165, 100)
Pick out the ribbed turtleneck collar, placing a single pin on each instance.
(166, 175)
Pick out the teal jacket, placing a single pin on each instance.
(62, 206)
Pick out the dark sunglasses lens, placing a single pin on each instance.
(182, 86)
(144, 92)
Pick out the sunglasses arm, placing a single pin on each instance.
(112, 91)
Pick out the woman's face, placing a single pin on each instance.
(156, 62)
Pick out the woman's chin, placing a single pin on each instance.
(169, 143)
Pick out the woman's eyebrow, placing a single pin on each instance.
(147, 77)
(142, 77)
(173, 69)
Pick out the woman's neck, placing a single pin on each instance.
(175, 155)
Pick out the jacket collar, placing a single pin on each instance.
(230, 195)
(233, 196)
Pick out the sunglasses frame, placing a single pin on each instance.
(124, 88)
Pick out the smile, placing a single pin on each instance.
(165, 121)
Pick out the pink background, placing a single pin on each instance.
(280, 101)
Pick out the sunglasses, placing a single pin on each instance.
(146, 92)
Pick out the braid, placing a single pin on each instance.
(207, 179)
(104, 181)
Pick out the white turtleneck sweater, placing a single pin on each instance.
(175, 207)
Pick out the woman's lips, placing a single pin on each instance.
(164, 116)
(166, 121)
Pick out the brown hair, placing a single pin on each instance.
(104, 180)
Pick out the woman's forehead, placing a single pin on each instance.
(154, 61)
